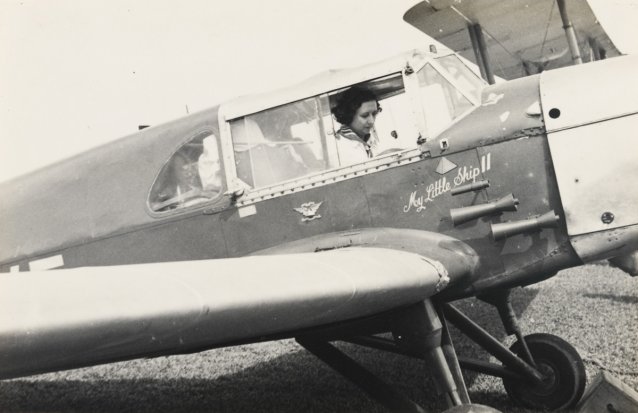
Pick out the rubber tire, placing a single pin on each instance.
(566, 376)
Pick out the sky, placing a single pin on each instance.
(75, 74)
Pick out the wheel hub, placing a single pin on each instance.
(546, 386)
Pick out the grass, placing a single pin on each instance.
(592, 307)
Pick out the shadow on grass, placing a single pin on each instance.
(293, 382)
(625, 299)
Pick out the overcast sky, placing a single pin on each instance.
(77, 73)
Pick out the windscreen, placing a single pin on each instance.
(442, 101)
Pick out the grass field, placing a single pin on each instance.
(592, 307)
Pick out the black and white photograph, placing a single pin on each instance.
(318, 206)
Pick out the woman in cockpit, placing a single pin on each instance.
(356, 111)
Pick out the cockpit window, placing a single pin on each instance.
(394, 126)
(462, 75)
(442, 101)
(279, 144)
(301, 138)
(193, 175)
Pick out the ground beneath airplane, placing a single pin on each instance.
(593, 307)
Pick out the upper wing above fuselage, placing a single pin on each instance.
(521, 37)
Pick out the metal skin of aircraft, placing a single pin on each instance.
(475, 190)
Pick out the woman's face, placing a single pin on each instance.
(363, 119)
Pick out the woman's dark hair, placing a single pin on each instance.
(350, 101)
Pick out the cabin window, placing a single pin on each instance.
(279, 144)
(442, 101)
(300, 138)
(193, 175)
(394, 127)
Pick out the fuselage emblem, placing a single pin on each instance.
(309, 211)
(445, 166)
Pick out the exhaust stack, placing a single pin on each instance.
(461, 215)
(507, 229)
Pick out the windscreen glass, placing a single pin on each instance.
(279, 144)
(442, 101)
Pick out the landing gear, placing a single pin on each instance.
(563, 373)
(418, 332)
(539, 371)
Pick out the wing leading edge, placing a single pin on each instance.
(79, 317)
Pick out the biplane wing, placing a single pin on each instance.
(514, 38)
(93, 315)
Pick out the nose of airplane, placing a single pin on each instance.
(591, 115)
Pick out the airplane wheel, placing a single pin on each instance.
(562, 367)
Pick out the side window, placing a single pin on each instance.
(442, 101)
(279, 144)
(462, 74)
(191, 176)
(394, 126)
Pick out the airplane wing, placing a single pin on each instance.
(521, 37)
(61, 319)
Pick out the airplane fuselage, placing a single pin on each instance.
(93, 210)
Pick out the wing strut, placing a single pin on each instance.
(569, 33)
(480, 52)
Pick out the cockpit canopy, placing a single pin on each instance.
(273, 143)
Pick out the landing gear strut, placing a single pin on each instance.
(539, 371)
(419, 332)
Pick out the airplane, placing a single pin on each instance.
(242, 223)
